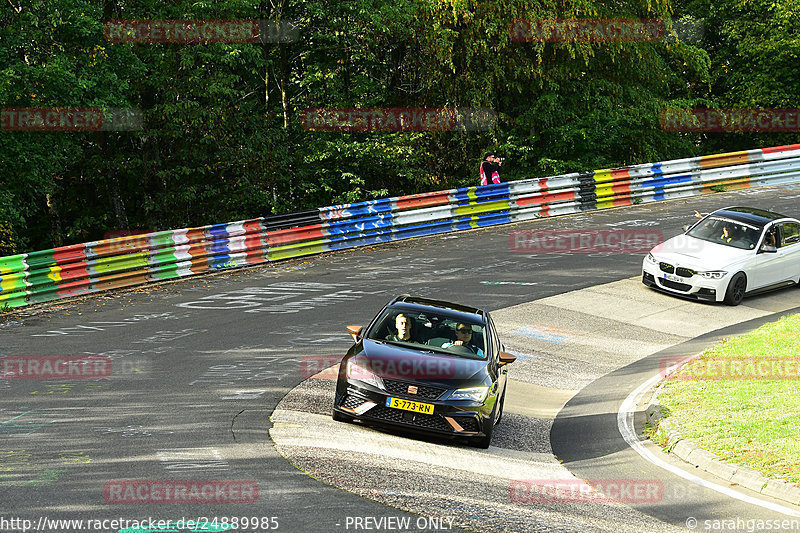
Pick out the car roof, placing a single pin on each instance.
(457, 311)
(749, 215)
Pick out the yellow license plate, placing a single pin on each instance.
(408, 405)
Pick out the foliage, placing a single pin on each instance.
(223, 138)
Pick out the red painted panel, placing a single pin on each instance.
(546, 197)
(415, 201)
(288, 236)
(786, 148)
(69, 254)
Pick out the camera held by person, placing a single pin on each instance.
(490, 168)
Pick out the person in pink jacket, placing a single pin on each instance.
(490, 168)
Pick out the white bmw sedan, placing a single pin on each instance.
(730, 253)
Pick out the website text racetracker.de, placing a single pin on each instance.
(142, 525)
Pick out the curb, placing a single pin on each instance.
(691, 453)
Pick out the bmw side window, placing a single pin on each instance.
(790, 233)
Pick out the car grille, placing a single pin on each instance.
(352, 402)
(675, 285)
(420, 420)
(680, 271)
(400, 388)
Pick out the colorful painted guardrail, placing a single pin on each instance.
(125, 261)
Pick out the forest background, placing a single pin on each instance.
(223, 137)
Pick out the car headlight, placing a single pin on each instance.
(360, 373)
(650, 259)
(476, 394)
(712, 274)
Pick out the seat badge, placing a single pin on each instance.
(412, 389)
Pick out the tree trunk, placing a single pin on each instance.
(55, 222)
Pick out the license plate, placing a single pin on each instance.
(408, 405)
(672, 277)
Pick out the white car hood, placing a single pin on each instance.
(698, 254)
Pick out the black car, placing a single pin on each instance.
(425, 366)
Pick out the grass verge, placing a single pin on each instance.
(740, 399)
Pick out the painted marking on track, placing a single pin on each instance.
(169, 336)
(542, 333)
(626, 429)
(244, 395)
(132, 431)
(46, 477)
(252, 370)
(67, 388)
(12, 461)
(509, 283)
(273, 298)
(521, 356)
(321, 338)
(636, 223)
(192, 459)
(103, 325)
(13, 428)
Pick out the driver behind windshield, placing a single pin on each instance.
(726, 234)
(464, 338)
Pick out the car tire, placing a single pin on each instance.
(736, 289)
(339, 417)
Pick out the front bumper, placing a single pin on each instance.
(693, 287)
(458, 418)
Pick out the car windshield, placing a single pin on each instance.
(727, 232)
(431, 332)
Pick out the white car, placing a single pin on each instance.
(730, 253)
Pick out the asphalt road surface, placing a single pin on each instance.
(179, 428)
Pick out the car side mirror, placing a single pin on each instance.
(354, 331)
(768, 248)
(686, 227)
(506, 358)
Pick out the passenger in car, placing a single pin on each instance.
(403, 325)
(726, 236)
(464, 338)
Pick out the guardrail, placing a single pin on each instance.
(125, 261)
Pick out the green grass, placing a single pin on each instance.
(745, 421)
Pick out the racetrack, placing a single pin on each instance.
(200, 366)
